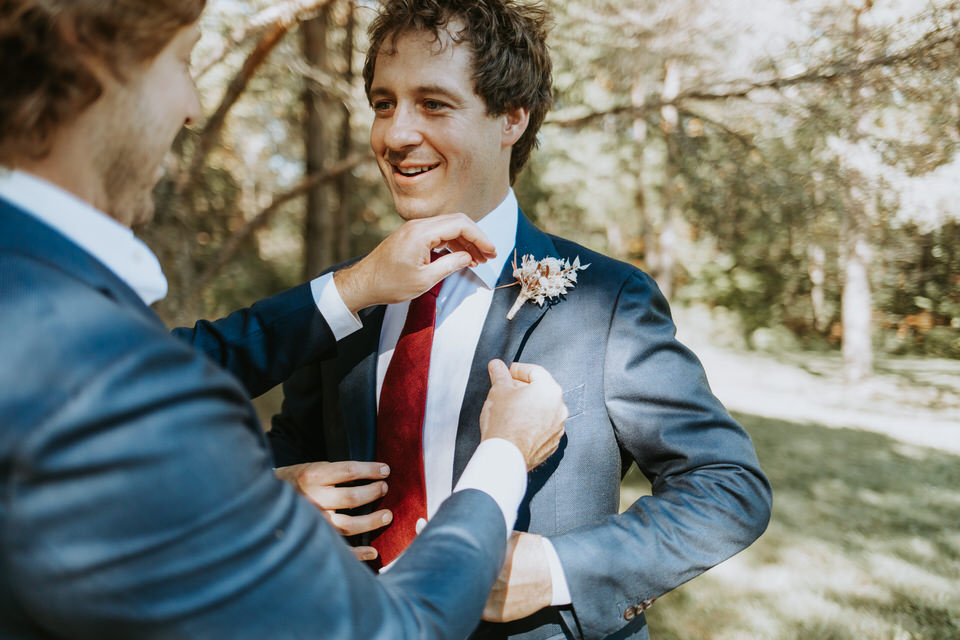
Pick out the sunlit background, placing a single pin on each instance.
(787, 170)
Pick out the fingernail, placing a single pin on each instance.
(384, 470)
(383, 488)
(387, 517)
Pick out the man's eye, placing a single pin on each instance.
(433, 105)
(382, 105)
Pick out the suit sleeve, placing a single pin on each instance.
(710, 498)
(265, 343)
(144, 506)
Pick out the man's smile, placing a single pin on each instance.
(413, 171)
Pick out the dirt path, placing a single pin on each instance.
(916, 401)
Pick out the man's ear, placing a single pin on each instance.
(515, 122)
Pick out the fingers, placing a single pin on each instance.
(364, 553)
(355, 525)
(459, 226)
(329, 473)
(526, 372)
(499, 374)
(327, 497)
(447, 264)
(460, 245)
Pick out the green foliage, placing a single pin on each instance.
(726, 149)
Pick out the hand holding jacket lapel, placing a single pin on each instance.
(500, 338)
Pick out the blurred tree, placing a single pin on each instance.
(743, 155)
(789, 167)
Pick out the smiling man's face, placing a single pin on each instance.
(438, 150)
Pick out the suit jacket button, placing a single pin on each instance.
(646, 604)
(630, 613)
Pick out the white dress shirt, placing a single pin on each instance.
(95, 232)
(497, 467)
(462, 306)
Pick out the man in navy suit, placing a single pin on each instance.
(137, 496)
(459, 89)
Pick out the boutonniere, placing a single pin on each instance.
(541, 280)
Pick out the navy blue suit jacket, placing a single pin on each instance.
(634, 394)
(137, 498)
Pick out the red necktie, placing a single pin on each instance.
(403, 403)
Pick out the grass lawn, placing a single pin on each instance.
(864, 543)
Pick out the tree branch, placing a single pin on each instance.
(289, 13)
(210, 135)
(739, 89)
(272, 24)
(235, 242)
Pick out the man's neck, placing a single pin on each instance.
(75, 180)
(71, 164)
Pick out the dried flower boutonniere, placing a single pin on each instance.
(540, 280)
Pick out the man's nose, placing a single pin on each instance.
(403, 130)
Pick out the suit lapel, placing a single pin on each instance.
(500, 338)
(354, 395)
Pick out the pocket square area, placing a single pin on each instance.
(573, 398)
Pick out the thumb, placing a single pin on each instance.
(447, 264)
(499, 373)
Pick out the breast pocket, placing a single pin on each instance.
(574, 399)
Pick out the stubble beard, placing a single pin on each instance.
(127, 162)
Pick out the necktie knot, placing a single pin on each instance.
(435, 289)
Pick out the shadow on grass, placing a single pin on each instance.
(855, 488)
(886, 512)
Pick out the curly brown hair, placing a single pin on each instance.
(511, 62)
(45, 81)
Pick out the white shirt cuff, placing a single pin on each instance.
(498, 469)
(342, 322)
(561, 592)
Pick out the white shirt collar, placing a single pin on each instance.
(500, 225)
(94, 231)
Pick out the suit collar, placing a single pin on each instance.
(500, 227)
(23, 234)
(95, 232)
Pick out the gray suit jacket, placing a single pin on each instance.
(137, 498)
(634, 394)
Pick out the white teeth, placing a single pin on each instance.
(413, 171)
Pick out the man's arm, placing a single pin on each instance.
(120, 525)
(710, 498)
(263, 345)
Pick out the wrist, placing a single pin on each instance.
(349, 283)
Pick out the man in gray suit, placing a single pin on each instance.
(137, 496)
(459, 90)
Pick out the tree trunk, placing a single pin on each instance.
(319, 224)
(856, 307)
(857, 341)
(659, 235)
(342, 249)
(817, 272)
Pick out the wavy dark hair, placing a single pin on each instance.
(511, 62)
(45, 83)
